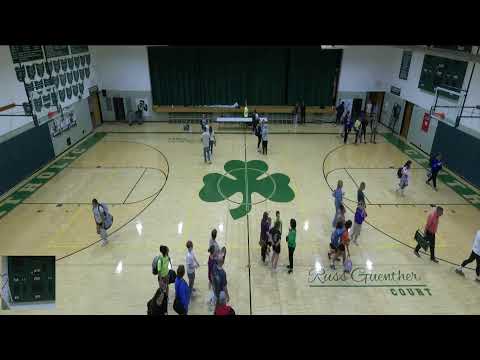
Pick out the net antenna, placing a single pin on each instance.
(13, 109)
(43, 106)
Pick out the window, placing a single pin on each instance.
(405, 66)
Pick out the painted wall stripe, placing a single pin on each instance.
(467, 193)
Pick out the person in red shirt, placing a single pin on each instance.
(344, 243)
(430, 231)
(222, 309)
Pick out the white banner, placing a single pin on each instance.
(61, 124)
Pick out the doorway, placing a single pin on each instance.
(356, 107)
(119, 108)
(407, 117)
(95, 112)
(376, 98)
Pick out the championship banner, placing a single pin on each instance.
(45, 102)
(426, 122)
(60, 124)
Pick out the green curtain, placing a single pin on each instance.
(174, 75)
(224, 75)
(267, 76)
(311, 75)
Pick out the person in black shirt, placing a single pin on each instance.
(258, 132)
(254, 121)
(264, 229)
(340, 110)
(276, 235)
(395, 114)
(363, 131)
(302, 112)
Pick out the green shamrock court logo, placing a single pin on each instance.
(246, 178)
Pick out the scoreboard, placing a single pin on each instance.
(438, 71)
(461, 48)
(31, 278)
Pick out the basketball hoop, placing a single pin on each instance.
(447, 104)
(439, 115)
(52, 114)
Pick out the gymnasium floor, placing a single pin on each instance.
(152, 176)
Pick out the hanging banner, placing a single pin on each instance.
(25, 53)
(61, 123)
(426, 122)
(43, 102)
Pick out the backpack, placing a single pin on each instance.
(108, 220)
(399, 172)
(172, 275)
(335, 238)
(218, 283)
(149, 307)
(348, 265)
(155, 265)
(228, 308)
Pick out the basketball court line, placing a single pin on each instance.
(140, 178)
(368, 286)
(12, 190)
(395, 204)
(86, 203)
(372, 168)
(358, 187)
(420, 204)
(108, 203)
(99, 134)
(248, 225)
(373, 226)
(55, 167)
(297, 265)
(466, 191)
(135, 216)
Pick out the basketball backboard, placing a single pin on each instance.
(449, 106)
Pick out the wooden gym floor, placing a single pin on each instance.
(151, 175)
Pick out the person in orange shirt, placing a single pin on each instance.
(430, 231)
(345, 241)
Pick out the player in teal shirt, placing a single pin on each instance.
(291, 240)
